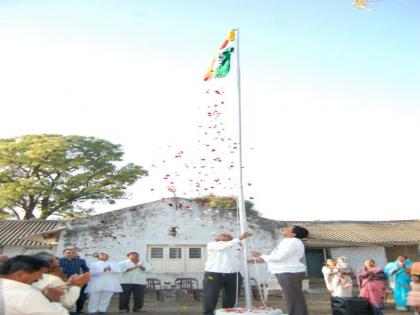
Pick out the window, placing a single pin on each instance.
(175, 252)
(177, 259)
(194, 252)
(156, 252)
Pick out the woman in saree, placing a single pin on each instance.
(414, 295)
(372, 284)
(398, 273)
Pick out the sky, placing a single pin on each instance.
(330, 97)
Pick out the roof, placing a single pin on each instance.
(363, 232)
(12, 231)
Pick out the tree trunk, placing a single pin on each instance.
(29, 210)
(45, 212)
(28, 214)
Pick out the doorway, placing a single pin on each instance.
(314, 261)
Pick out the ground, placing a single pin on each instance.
(318, 304)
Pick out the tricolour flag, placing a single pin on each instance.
(220, 64)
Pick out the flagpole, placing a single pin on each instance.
(241, 201)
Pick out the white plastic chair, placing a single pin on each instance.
(272, 284)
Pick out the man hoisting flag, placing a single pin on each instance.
(221, 270)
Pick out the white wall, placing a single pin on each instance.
(13, 250)
(132, 229)
(357, 255)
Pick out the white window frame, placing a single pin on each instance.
(167, 265)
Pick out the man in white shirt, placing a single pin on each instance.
(133, 280)
(286, 263)
(17, 296)
(222, 272)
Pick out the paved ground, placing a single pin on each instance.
(318, 305)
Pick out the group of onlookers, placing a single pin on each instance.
(43, 284)
(337, 275)
(401, 275)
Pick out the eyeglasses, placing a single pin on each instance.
(416, 275)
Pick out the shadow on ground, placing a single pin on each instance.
(318, 303)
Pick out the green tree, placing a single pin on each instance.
(44, 175)
(226, 202)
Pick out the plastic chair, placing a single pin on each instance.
(154, 284)
(255, 290)
(190, 285)
(270, 284)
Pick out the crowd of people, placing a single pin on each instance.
(42, 283)
(401, 276)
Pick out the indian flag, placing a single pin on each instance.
(220, 64)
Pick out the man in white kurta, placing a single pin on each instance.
(222, 272)
(133, 280)
(17, 296)
(105, 281)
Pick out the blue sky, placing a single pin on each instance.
(330, 93)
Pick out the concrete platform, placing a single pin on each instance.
(318, 303)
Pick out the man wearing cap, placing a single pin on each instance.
(286, 263)
(222, 271)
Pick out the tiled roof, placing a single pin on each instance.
(363, 233)
(11, 231)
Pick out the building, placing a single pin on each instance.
(172, 235)
(19, 237)
(382, 241)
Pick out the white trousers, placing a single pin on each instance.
(99, 301)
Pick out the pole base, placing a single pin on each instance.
(250, 311)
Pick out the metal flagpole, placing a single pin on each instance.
(241, 201)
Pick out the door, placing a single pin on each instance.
(314, 262)
(176, 259)
(409, 251)
(196, 259)
(156, 258)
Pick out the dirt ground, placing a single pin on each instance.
(318, 304)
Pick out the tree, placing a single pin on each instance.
(226, 202)
(44, 175)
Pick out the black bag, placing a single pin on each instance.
(350, 306)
